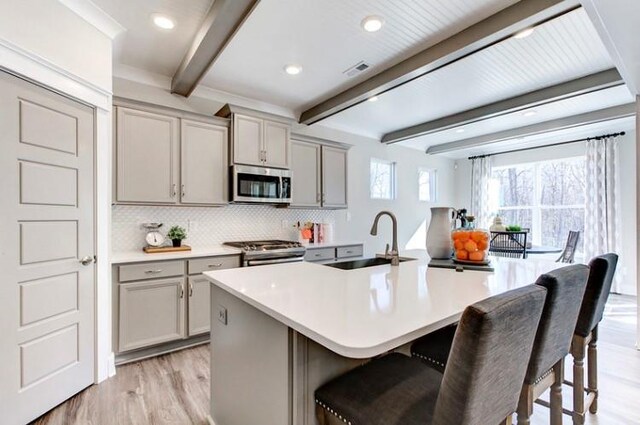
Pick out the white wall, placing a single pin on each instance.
(50, 30)
(627, 168)
(351, 224)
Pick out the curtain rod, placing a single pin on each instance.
(604, 136)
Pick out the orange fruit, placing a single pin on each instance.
(471, 246)
(458, 244)
(476, 256)
(482, 245)
(464, 236)
(476, 236)
(462, 255)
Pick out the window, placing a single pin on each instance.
(427, 184)
(383, 179)
(547, 197)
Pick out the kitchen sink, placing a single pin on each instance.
(365, 262)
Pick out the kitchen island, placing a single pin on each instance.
(279, 332)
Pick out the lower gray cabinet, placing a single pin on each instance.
(151, 312)
(199, 305)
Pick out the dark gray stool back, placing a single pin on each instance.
(601, 272)
(487, 365)
(565, 290)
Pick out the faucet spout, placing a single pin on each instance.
(395, 258)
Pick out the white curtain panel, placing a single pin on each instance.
(602, 208)
(480, 178)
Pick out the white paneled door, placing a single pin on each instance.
(46, 249)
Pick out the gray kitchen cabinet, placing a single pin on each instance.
(151, 312)
(199, 305)
(334, 177)
(327, 254)
(319, 175)
(203, 163)
(161, 306)
(248, 140)
(258, 141)
(306, 169)
(276, 144)
(147, 157)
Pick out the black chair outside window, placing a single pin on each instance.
(569, 251)
(508, 244)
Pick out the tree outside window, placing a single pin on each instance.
(382, 179)
(547, 197)
(427, 185)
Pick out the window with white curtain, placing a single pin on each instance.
(547, 197)
(382, 183)
(427, 185)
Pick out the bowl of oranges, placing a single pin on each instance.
(470, 246)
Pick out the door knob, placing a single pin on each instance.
(85, 261)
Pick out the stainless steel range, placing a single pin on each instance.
(257, 253)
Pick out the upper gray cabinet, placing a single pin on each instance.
(258, 141)
(147, 157)
(319, 175)
(163, 159)
(306, 190)
(258, 138)
(334, 177)
(203, 163)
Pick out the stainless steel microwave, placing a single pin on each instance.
(260, 185)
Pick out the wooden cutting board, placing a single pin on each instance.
(161, 249)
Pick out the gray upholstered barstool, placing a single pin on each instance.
(566, 288)
(585, 338)
(480, 386)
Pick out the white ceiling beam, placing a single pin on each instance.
(490, 31)
(589, 84)
(593, 117)
(220, 25)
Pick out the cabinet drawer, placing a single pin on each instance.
(349, 251)
(320, 254)
(208, 264)
(153, 270)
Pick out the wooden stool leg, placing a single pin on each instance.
(508, 421)
(525, 405)
(592, 369)
(577, 350)
(555, 398)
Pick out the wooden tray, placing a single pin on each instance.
(161, 249)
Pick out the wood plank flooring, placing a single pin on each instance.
(174, 388)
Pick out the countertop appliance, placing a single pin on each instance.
(260, 185)
(257, 253)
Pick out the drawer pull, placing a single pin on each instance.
(181, 291)
(318, 255)
(349, 252)
(214, 266)
(153, 271)
(190, 289)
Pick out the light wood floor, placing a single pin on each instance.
(174, 388)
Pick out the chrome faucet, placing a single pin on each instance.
(393, 255)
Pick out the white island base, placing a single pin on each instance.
(262, 371)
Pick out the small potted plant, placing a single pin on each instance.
(177, 234)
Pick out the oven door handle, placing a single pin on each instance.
(250, 263)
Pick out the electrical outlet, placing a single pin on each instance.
(222, 314)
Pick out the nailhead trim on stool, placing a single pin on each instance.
(330, 410)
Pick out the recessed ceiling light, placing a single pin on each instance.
(373, 99)
(162, 21)
(293, 69)
(524, 33)
(460, 130)
(529, 113)
(372, 23)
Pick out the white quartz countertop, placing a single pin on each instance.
(141, 256)
(365, 312)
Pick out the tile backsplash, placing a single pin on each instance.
(211, 226)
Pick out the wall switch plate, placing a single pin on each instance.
(222, 314)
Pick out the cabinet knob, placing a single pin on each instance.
(182, 190)
(85, 261)
(174, 191)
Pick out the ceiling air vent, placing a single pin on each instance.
(356, 69)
